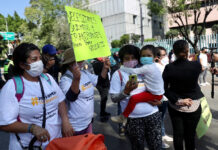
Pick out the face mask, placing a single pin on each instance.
(36, 68)
(130, 64)
(165, 60)
(146, 60)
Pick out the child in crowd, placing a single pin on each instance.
(152, 78)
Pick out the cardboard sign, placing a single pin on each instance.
(87, 33)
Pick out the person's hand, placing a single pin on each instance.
(76, 72)
(155, 103)
(107, 63)
(67, 129)
(41, 134)
(214, 70)
(130, 86)
(185, 102)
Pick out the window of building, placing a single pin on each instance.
(160, 25)
(134, 19)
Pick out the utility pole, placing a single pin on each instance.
(141, 20)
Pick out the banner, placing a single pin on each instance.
(87, 33)
(205, 119)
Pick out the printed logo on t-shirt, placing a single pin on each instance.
(86, 86)
(39, 100)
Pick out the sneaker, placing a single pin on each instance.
(202, 84)
(119, 119)
(167, 138)
(165, 145)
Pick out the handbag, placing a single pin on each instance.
(205, 119)
(80, 142)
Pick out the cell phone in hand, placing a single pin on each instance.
(133, 78)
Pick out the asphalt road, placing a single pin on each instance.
(114, 142)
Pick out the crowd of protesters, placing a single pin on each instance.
(144, 83)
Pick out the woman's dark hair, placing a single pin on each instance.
(129, 49)
(20, 55)
(150, 48)
(160, 48)
(179, 46)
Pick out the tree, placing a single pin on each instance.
(182, 11)
(135, 38)
(124, 39)
(115, 43)
(172, 33)
(47, 22)
(215, 28)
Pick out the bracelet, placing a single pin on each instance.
(29, 128)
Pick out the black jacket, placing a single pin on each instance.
(181, 80)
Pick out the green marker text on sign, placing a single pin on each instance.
(88, 36)
(8, 35)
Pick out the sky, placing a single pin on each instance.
(9, 6)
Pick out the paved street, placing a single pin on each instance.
(114, 142)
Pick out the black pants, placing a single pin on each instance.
(146, 128)
(103, 94)
(184, 126)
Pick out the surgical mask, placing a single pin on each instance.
(130, 64)
(146, 60)
(36, 69)
(165, 61)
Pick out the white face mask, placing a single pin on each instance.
(36, 68)
(165, 61)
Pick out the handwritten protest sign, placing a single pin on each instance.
(88, 36)
(205, 120)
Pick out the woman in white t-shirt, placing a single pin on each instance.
(78, 86)
(144, 121)
(23, 115)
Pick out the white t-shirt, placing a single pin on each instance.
(141, 109)
(151, 76)
(203, 58)
(30, 109)
(81, 111)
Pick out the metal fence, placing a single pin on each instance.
(209, 41)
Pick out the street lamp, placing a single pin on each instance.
(141, 21)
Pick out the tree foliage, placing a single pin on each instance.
(124, 39)
(135, 38)
(115, 44)
(215, 28)
(181, 11)
(47, 22)
(172, 33)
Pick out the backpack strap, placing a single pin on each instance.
(46, 77)
(121, 77)
(19, 87)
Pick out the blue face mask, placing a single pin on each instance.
(146, 60)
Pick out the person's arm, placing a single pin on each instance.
(215, 57)
(19, 127)
(141, 70)
(103, 80)
(74, 91)
(67, 128)
(172, 96)
(130, 86)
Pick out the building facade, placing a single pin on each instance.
(212, 19)
(121, 17)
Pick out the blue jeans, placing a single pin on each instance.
(163, 109)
